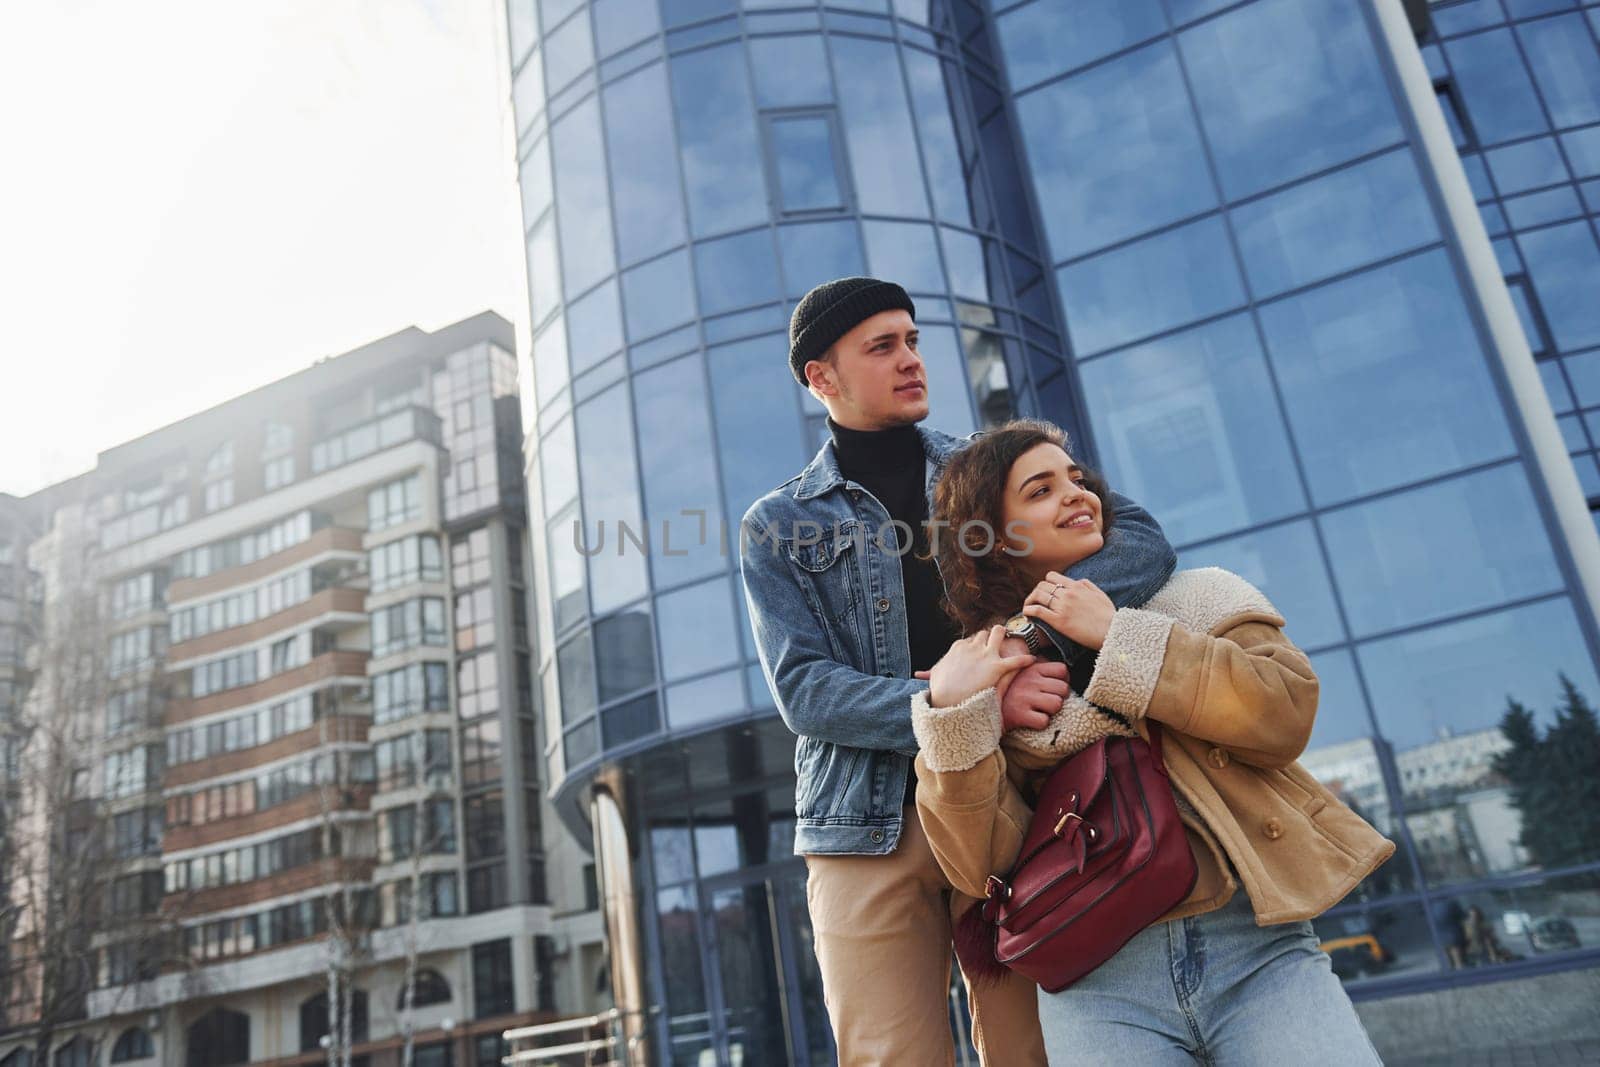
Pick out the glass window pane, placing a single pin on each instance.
(1285, 88)
(790, 71)
(675, 450)
(1325, 227)
(594, 327)
(934, 93)
(568, 52)
(658, 295)
(1403, 326)
(1115, 152)
(697, 629)
(1498, 93)
(575, 666)
(1564, 263)
(1529, 165)
(1584, 371)
(1583, 149)
(906, 253)
(544, 272)
(1555, 386)
(1341, 709)
(646, 191)
(550, 369)
(814, 252)
(949, 396)
(760, 439)
(717, 127)
(1453, 547)
(735, 272)
(1188, 426)
(1153, 285)
(582, 209)
(534, 175)
(1049, 37)
(1459, 18)
(877, 126)
(802, 154)
(1567, 67)
(624, 653)
(1285, 563)
(705, 700)
(621, 23)
(558, 463)
(611, 496)
(1536, 209)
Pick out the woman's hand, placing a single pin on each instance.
(1074, 608)
(972, 665)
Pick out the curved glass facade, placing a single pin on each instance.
(1204, 237)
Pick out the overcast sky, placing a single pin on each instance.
(202, 196)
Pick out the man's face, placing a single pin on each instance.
(875, 379)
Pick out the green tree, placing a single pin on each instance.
(1573, 745)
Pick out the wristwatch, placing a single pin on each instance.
(1020, 625)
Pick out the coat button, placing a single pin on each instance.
(883, 604)
(1273, 829)
(877, 837)
(1217, 758)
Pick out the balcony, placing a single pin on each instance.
(327, 539)
(343, 663)
(375, 435)
(333, 602)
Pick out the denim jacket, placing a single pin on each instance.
(827, 606)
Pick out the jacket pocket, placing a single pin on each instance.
(829, 573)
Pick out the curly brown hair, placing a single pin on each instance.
(983, 583)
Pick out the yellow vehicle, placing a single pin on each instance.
(1356, 955)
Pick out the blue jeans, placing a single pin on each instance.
(1211, 989)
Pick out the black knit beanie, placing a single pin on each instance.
(832, 310)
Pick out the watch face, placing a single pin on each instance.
(1017, 625)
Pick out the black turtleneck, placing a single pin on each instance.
(891, 466)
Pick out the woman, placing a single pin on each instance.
(1233, 974)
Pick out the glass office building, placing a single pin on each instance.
(1232, 247)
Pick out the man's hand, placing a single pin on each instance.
(1029, 697)
(972, 665)
(1074, 608)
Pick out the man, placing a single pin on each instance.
(844, 612)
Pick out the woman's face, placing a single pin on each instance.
(1046, 503)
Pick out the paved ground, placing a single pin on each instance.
(1555, 1054)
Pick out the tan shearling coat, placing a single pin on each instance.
(1207, 658)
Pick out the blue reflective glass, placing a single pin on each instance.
(1555, 386)
(1494, 219)
(949, 388)
(790, 71)
(1530, 327)
(1566, 65)
(1341, 709)
(1459, 18)
(1188, 426)
(1114, 152)
(802, 154)
(544, 271)
(658, 295)
(1584, 373)
(1444, 549)
(933, 92)
(760, 438)
(1505, 253)
(878, 127)
(610, 495)
(678, 474)
(619, 24)
(1591, 195)
(705, 700)
(647, 194)
(1536, 209)
(594, 327)
(1384, 379)
(551, 12)
(1498, 93)
(1529, 165)
(1048, 37)
(964, 258)
(558, 465)
(1564, 263)
(1285, 88)
(583, 211)
(1325, 227)
(1149, 286)
(683, 12)
(814, 252)
(1285, 563)
(550, 371)
(1456, 677)
(1477, 177)
(717, 128)
(734, 272)
(1520, 9)
(664, 346)
(1189, 10)
(1583, 150)
(527, 90)
(1572, 433)
(534, 177)
(568, 52)
(904, 252)
(1433, 59)
(697, 629)
(1588, 475)
(1452, 118)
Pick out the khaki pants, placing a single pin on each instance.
(881, 925)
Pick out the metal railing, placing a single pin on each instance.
(583, 1048)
